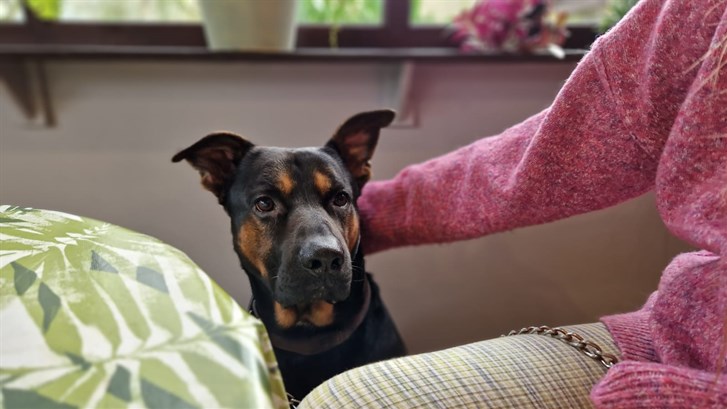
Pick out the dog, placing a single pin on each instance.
(296, 231)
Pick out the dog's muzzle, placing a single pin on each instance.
(318, 270)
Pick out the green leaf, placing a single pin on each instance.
(20, 209)
(229, 344)
(120, 384)
(221, 382)
(156, 397)
(78, 360)
(24, 278)
(46, 9)
(206, 325)
(22, 399)
(75, 387)
(50, 303)
(117, 289)
(151, 278)
(98, 263)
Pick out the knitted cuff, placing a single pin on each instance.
(632, 333)
(383, 212)
(649, 385)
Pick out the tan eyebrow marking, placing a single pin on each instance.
(322, 182)
(285, 183)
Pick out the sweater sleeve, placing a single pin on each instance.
(678, 387)
(598, 144)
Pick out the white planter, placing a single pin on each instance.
(249, 25)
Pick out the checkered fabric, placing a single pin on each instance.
(522, 371)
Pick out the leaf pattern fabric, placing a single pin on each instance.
(94, 315)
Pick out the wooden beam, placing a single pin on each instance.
(27, 83)
(15, 76)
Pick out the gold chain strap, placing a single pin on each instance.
(292, 401)
(589, 348)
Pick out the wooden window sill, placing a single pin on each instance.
(22, 65)
(10, 52)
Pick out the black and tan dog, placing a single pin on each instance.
(295, 228)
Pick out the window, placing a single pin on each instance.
(105, 11)
(353, 12)
(585, 12)
(10, 11)
(108, 11)
(436, 12)
(365, 23)
(356, 12)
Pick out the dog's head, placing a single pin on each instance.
(294, 219)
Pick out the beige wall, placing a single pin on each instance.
(120, 123)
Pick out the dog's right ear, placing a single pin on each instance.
(216, 157)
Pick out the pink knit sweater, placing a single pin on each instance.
(645, 109)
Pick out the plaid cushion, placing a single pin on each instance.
(523, 371)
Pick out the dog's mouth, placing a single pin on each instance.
(317, 313)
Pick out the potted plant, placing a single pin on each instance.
(249, 25)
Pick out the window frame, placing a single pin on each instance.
(395, 32)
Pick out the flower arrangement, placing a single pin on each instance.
(515, 26)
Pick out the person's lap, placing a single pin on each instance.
(523, 371)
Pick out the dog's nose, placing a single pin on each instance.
(322, 259)
(322, 271)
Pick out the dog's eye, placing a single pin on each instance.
(264, 204)
(341, 199)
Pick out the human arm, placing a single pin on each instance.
(598, 144)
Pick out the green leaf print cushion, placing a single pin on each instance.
(94, 315)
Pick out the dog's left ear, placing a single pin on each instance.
(355, 141)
